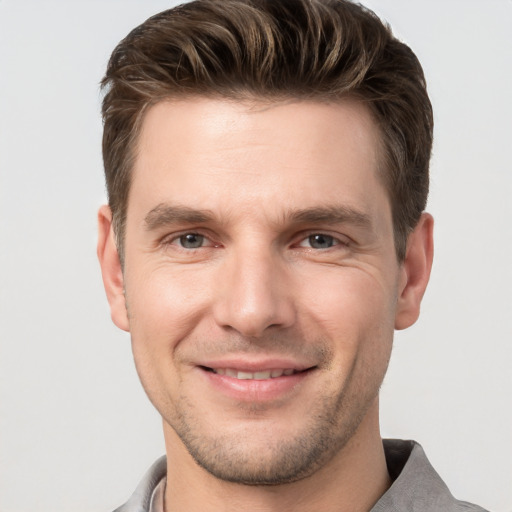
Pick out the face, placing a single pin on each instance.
(261, 281)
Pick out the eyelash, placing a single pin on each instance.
(331, 238)
(175, 240)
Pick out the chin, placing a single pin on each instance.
(261, 454)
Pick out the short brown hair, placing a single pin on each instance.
(272, 49)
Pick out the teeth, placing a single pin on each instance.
(262, 375)
(266, 374)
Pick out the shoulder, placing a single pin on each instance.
(416, 485)
(140, 500)
(464, 506)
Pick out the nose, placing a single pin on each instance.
(254, 294)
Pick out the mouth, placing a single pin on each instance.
(273, 373)
(255, 381)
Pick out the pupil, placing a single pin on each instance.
(321, 241)
(191, 240)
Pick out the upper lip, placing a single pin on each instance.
(256, 365)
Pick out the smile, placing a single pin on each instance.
(259, 375)
(255, 382)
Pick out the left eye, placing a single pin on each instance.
(191, 240)
(319, 241)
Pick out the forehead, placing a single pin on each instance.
(229, 154)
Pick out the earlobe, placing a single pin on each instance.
(415, 272)
(111, 269)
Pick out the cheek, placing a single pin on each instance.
(356, 316)
(163, 309)
(354, 311)
(166, 303)
(348, 298)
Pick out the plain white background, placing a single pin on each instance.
(76, 430)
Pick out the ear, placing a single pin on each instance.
(111, 269)
(415, 272)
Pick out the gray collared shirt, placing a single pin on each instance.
(416, 485)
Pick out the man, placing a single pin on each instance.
(267, 170)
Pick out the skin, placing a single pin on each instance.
(260, 237)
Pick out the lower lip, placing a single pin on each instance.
(252, 390)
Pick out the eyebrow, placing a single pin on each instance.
(331, 215)
(166, 214)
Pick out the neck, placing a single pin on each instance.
(353, 480)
